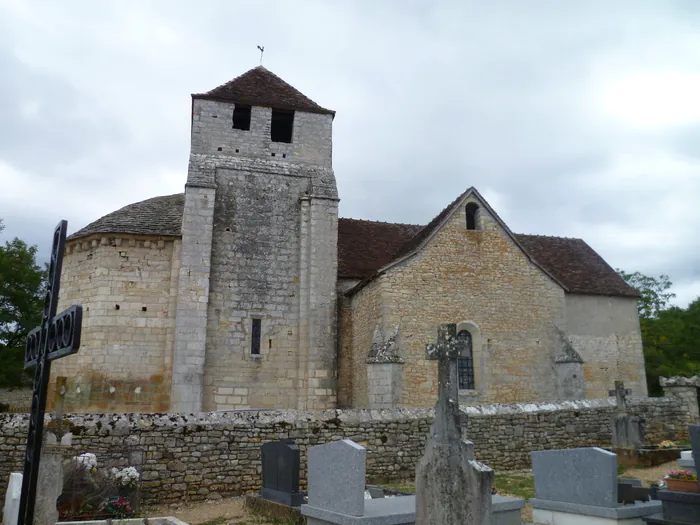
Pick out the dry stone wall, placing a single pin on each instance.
(218, 454)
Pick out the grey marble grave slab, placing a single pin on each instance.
(639, 509)
(506, 511)
(694, 432)
(584, 476)
(336, 477)
(400, 510)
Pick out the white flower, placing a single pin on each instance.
(87, 460)
(127, 477)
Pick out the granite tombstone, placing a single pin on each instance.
(14, 490)
(587, 476)
(280, 472)
(336, 473)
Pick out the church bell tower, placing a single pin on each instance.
(255, 322)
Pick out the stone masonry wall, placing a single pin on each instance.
(482, 278)
(126, 285)
(218, 454)
(273, 255)
(213, 134)
(605, 333)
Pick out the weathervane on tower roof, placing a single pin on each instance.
(262, 50)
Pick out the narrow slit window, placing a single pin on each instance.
(255, 339)
(472, 210)
(241, 117)
(281, 126)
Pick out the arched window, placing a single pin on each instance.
(472, 210)
(465, 363)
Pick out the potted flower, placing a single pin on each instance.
(682, 481)
(127, 480)
(667, 444)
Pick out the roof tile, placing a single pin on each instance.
(366, 246)
(261, 87)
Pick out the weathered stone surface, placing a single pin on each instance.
(503, 437)
(10, 511)
(585, 476)
(336, 473)
(451, 486)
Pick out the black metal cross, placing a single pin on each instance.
(58, 336)
(446, 351)
(620, 394)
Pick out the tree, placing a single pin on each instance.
(670, 334)
(22, 283)
(654, 296)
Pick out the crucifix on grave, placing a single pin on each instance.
(627, 429)
(620, 394)
(451, 486)
(446, 352)
(58, 336)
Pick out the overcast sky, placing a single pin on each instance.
(573, 118)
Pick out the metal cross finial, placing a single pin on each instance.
(620, 394)
(262, 50)
(446, 351)
(58, 336)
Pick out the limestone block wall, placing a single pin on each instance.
(360, 316)
(273, 258)
(190, 458)
(605, 332)
(213, 133)
(483, 279)
(127, 286)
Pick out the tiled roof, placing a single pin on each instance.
(156, 216)
(261, 87)
(576, 265)
(366, 246)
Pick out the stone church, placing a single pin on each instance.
(248, 292)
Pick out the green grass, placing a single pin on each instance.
(216, 521)
(519, 484)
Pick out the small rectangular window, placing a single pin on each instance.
(255, 338)
(241, 117)
(282, 125)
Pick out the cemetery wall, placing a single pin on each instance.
(127, 286)
(218, 453)
(16, 398)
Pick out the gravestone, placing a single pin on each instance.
(50, 480)
(681, 508)
(580, 485)
(451, 486)
(587, 476)
(58, 336)
(336, 475)
(14, 489)
(627, 429)
(280, 472)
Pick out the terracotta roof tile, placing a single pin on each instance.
(366, 246)
(576, 265)
(261, 87)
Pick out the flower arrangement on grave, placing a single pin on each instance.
(667, 443)
(127, 477)
(90, 492)
(119, 507)
(87, 461)
(681, 481)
